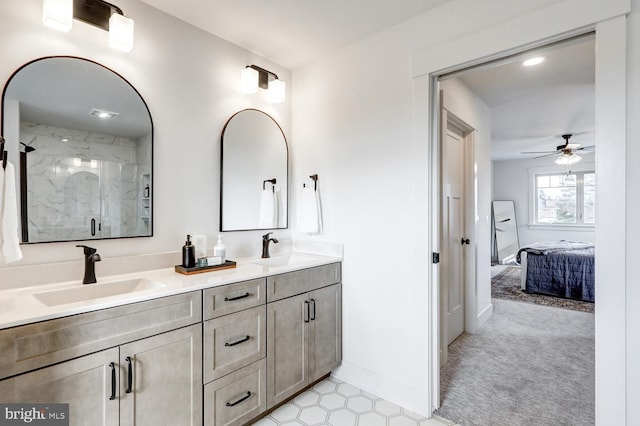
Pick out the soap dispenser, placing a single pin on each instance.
(188, 254)
(219, 249)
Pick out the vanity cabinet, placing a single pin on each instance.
(234, 353)
(304, 331)
(140, 378)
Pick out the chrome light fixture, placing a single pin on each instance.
(254, 77)
(59, 14)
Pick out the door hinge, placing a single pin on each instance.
(435, 257)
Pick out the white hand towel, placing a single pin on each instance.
(2, 173)
(308, 212)
(267, 218)
(319, 204)
(10, 241)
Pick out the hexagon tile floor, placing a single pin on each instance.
(334, 403)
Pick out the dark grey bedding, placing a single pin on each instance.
(562, 268)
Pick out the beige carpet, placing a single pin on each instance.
(528, 365)
(506, 285)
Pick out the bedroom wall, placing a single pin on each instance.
(512, 181)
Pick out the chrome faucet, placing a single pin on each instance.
(90, 258)
(265, 244)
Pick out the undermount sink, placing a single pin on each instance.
(286, 260)
(95, 291)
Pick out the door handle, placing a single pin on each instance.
(464, 241)
(306, 311)
(93, 227)
(313, 315)
(113, 381)
(129, 375)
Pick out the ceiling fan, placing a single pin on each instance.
(566, 153)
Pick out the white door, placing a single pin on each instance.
(453, 231)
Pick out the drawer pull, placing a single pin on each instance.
(113, 381)
(129, 375)
(237, 342)
(242, 296)
(238, 401)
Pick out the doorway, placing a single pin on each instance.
(482, 289)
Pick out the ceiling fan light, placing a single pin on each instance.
(568, 159)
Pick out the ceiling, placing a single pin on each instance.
(293, 32)
(530, 107)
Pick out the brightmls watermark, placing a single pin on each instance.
(34, 414)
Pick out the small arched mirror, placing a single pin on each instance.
(254, 173)
(81, 137)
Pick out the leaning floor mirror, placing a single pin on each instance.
(505, 232)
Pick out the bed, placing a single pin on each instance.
(559, 268)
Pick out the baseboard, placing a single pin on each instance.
(485, 315)
(389, 389)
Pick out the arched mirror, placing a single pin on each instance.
(81, 138)
(254, 173)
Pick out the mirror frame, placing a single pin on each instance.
(286, 146)
(23, 192)
(512, 215)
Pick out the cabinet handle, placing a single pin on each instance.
(129, 375)
(242, 296)
(313, 315)
(306, 311)
(237, 342)
(238, 401)
(113, 381)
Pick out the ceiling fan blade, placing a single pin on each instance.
(586, 148)
(545, 155)
(541, 152)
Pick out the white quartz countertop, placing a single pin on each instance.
(20, 306)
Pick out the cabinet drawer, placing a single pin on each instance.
(298, 282)
(233, 341)
(44, 343)
(236, 398)
(232, 298)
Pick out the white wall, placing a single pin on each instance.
(361, 121)
(190, 81)
(512, 181)
(467, 106)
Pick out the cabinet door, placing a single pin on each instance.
(325, 331)
(162, 379)
(84, 383)
(287, 340)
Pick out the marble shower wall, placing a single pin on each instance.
(75, 176)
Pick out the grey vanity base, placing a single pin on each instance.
(222, 356)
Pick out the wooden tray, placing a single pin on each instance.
(228, 264)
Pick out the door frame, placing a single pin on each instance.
(611, 111)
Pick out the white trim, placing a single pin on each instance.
(485, 315)
(541, 227)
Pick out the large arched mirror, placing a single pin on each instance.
(81, 137)
(254, 173)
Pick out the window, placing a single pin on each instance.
(565, 199)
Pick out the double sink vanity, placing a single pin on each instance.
(157, 347)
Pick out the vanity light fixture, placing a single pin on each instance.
(105, 115)
(254, 77)
(59, 14)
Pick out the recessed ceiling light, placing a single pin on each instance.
(533, 61)
(105, 115)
